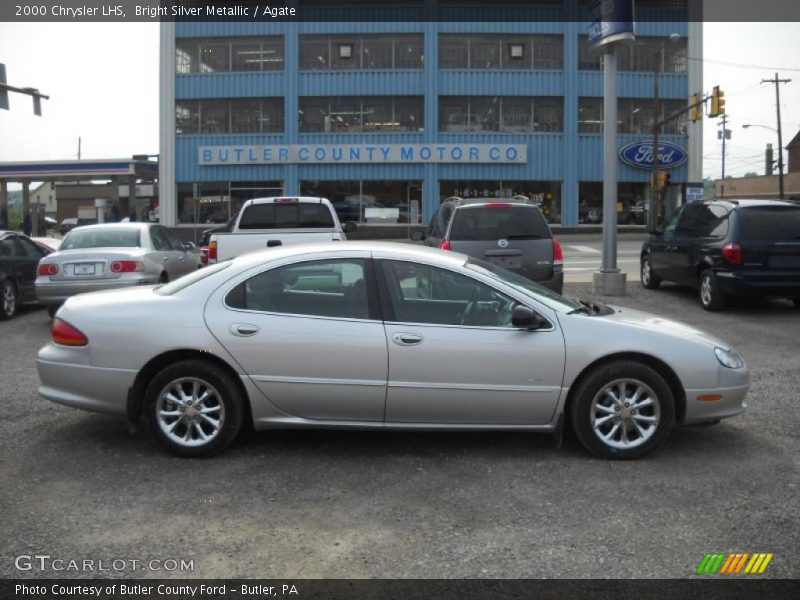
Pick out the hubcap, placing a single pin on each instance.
(625, 413)
(646, 272)
(9, 299)
(705, 290)
(190, 412)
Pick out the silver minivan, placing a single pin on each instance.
(508, 232)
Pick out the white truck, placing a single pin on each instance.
(278, 221)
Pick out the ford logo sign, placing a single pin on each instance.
(640, 154)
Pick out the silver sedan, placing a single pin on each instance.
(112, 256)
(382, 336)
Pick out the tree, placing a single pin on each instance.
(751, 174)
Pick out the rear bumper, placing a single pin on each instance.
(556, 283)
(56, 293)
(759, 285)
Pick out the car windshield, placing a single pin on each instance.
(291, 215)
(173, 287)
(524, 285)
(103, 237)
(497, 221)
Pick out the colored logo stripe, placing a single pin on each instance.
(732, 563)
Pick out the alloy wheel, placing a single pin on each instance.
(9, 299)
(625, 413)
(190, 412)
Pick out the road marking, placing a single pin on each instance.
(586, 249)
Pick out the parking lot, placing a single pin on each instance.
(79, 486)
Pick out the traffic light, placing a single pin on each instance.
(717, 102)
(660, 179)
(695, 110)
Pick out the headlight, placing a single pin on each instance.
(729, 358)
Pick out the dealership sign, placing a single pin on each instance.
(363, 154)
(640, 154)
(612, 21)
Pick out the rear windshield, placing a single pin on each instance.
(103, 237)
(769, 223)
(173, 287)
(474, 223)
(297, 215)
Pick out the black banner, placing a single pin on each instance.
(395, 589)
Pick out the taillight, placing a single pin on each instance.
(212, 250)
(444, 245)
(48, 269)
(732, 253)
(65, 334)
(558, 255)
(497, 204)
(126, 266)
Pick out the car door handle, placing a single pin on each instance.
(407, 339)
(273, 243)
(244, 329)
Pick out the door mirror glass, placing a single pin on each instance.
(188, 246)
(524, 318)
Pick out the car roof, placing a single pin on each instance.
(516, 200)
(272, 199)
(411, 251)
(128, 225)
(750, 202)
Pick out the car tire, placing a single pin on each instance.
(622, 428)
(170, 406)
(650, 280)
(711, 298)
(9, 300)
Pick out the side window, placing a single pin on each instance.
(424, 294)
(8, 249)
(30, 249)
(323, 288)
(690, 221)
(718, 225)
(172, 240)
(433, 226)
(160, 240)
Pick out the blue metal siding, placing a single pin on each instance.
(567, 157)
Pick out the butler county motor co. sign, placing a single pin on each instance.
(362, 153)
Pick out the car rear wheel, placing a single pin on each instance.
(650, 280)
(9, 300)
(195, 408)
(622, 410)
(711, 298)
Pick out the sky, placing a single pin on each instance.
(102, 79)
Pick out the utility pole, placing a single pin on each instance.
(724, 135)
(654, 216)
(778, 81)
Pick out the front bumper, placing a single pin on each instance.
(82, 386)
(56, 293)
(732, 403)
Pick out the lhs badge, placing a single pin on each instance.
(502, 243)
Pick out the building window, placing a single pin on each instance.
(371, 202)
(216, 55)
(356, 114)
(457, 51)
(507, 114)
(631, 206)
(544, 194)
(235, 115)
(641, 55)
(219, 202)
(634, 115)
(356, 52)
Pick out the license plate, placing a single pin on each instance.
(507, 262)
(84, 269)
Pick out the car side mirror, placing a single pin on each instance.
(188, 246)
(524, 318)
(417, 236)
(349, 227)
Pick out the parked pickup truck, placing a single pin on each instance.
(269, 222)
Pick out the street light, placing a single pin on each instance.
(655, 209)
(780, 154)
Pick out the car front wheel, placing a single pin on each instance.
(195, 408)
(8, 301)
(650, 280)
(622, 410)
(711, 298)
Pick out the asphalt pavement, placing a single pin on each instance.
(79, 486)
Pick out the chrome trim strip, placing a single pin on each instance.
(470, 386)
(316, 380)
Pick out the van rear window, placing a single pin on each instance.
(475, 223)
(298, 215)
(764, 223)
